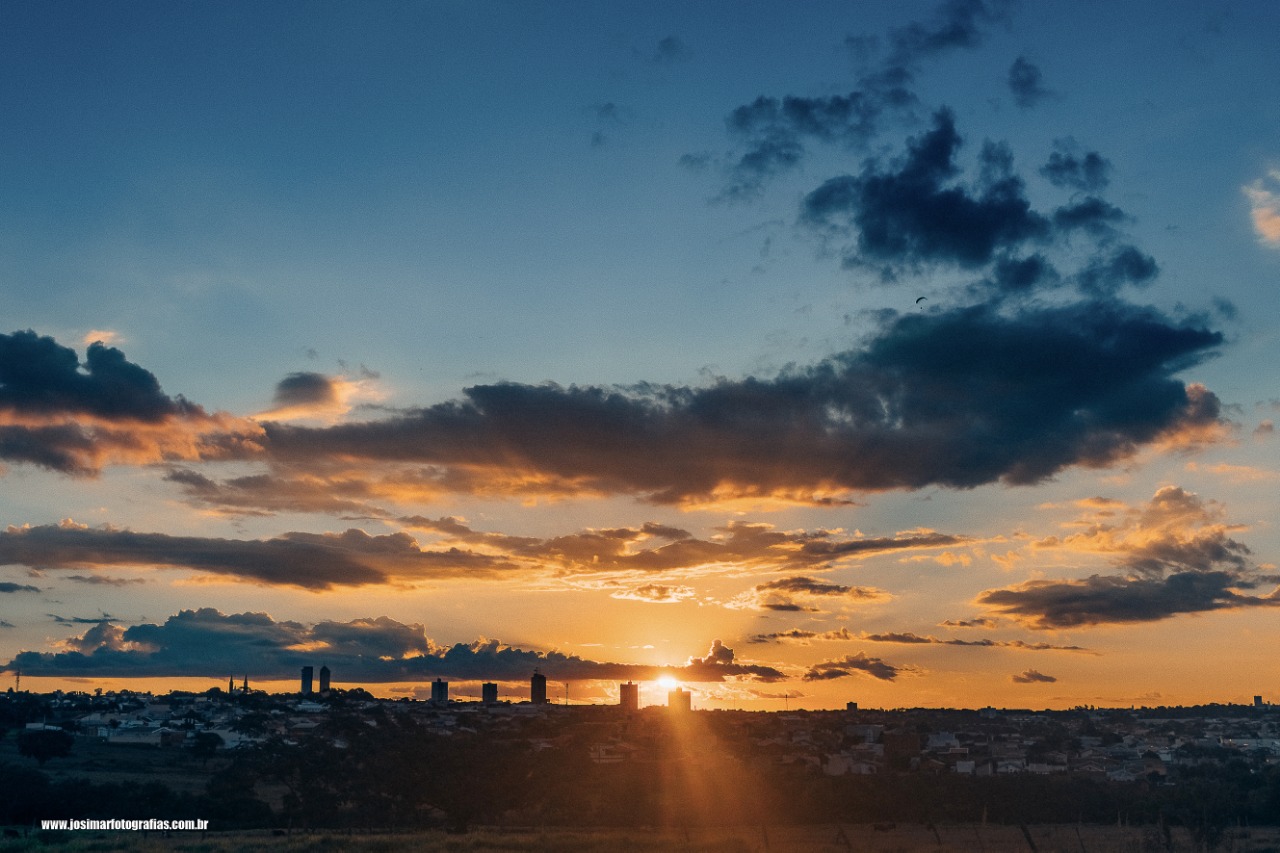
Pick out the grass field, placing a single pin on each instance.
(805, 839)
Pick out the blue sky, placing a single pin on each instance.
(327, 216)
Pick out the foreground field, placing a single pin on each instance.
(807, 839)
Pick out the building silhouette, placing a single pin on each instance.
(629, 696)
(489, 693)
(306, 680)
(680, 699)
(440, 692)
(538, 688)
(324, 679)
(1257, 701)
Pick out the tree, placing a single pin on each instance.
(43, 744)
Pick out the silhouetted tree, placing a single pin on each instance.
(43, 744)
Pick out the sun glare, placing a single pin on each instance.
(668, 682)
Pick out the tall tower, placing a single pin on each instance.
(440, 692)
(306, 680)
(629, 696)
(324, 679)
(680, 700)
(489, 693)
(231, 684)
(538, 688)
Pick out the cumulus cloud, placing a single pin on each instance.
(1030, 676)
(1264, 203)
(73, 417)
(1178, 554)
(372, 650)
(955, 398)
(852, 664)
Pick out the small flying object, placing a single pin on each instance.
(920, 299)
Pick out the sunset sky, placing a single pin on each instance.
(906, 353)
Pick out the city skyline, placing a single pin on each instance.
(917, 355)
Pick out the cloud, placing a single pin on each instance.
(306, 560)
(1178, 555)
(1030, 676)
(799, 593)
(1264, 203)
(316, 395)
(1068, 168)
(916, 639)
(911, 215)
(355, 558)
(1026, 83)
(851, 664)
(1101, 599)
(206, 642)
(905, 638)
(773, 131)
(9, 586)
(954, 398)
(670, 49)
(656, 593)
(58, 413)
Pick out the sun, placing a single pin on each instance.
(668, 682)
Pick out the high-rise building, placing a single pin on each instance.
(306, 680)
(680, 699)
(324, 679)
(489, 693)
(538, 688)
(851, 706)
(1257, 701)
(629, 696)
(440, 692)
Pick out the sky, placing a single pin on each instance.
(908, 354)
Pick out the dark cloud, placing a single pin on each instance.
(905, 638)
(1068, 168)
(916, 639)
(40, 376)
(58, 413)
(103, 580)
(914, 214)
(307, 560)
(1178, 555)
(1126, 265)
(1101, 599)
(306, 389)
(980, 622)
(1030, 676)
(774, 131)
(377, 650)
(9, 586)
(850, 664)
(952, 398)
(1026, 83)
(671, 49)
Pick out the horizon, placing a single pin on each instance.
(888, 353)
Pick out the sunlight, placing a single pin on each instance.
(668, 682)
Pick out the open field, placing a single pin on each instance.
(828, 838)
